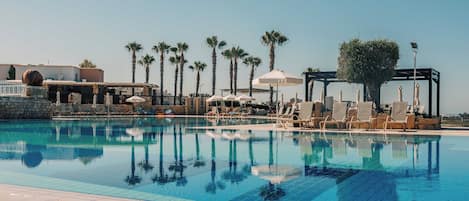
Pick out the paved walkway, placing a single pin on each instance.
(17, 193)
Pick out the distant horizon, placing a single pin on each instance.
(60, 32)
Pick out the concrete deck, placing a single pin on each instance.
(16, 193)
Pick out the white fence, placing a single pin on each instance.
(11, 88)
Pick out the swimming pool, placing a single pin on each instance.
(161, 158)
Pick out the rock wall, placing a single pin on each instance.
(25, 108)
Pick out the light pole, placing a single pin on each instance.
(414, 50)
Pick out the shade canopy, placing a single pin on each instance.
(135, 99)
(214, 98)
(277, 77)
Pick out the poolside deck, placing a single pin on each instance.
(15, 193)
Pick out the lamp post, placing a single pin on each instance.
(414, 46)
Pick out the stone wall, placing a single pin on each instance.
(17, 107)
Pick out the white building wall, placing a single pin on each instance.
(53, 72)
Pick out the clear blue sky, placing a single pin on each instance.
(68, 31)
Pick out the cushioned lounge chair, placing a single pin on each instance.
(304, 115)
(364, 114)
(338, 117)
(398, 115)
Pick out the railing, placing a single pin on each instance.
(11, 88)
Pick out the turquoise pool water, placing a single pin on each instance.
(141, 157)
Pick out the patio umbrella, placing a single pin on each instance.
(230, 98)
(57, 96)
(214, 98)
(135, 99)
(245, 98)
(276, 174)
(417, 92)
(277, 78)
(340, 96)
(108, 99)
(399, 93)
(358, 96)
(321, 97)
(95, 98)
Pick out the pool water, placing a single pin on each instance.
(166, 156)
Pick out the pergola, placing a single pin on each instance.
(429, 74)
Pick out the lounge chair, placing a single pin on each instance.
(339, 115)
(304, 115)
(364, 114)
(275, 114)
(286, 113)
(398, 115)
(213, 112)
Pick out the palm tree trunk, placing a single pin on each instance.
(175, 83)
(235, 79)
(161, 76)
(147, 74)
(214, 70)
(251, 77)
(231, 76)
(197, 84)
(134, 60)
(181, 81)
(271, 67)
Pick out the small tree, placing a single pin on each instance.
(371, 63)
(11, 73)
(87, 64)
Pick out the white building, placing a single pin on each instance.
(49, 72)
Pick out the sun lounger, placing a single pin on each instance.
(364, 114)
(275, 114)
(304, 115)
(339, 115)
(398, 115)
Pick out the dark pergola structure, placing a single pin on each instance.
(429, 74)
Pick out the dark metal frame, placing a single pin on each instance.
(429, 74)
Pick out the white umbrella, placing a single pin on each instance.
(321, 97)
(57, 96)
(275, 174)
(134, 132)
(245, 98)
(417, 92)
(358, 95)
(135, 99)
(95, 98)
(277, 78)
(108, 99)
(230, 97)
(399, 93)
(340, 96)
(214, 98)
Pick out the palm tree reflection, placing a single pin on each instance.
(133, 179)
(214, 185)
(145, 164)
(233, 175)
(161, 178)
(198, 162)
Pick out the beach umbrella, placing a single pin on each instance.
(108, 99)
(135, 99)
(276, 174)
(214, 98)
(417, 92)
(245, 98)
(321, 97)
(57, 96)
(340, 96)
(95, 98)
(230, 98)
(277, 78)
(399, 93)
(358, 96)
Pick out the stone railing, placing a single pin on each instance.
(11, 88)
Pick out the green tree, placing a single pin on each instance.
(181, 47)
(273, 39)
(371, 63)
(311, 82)
(133, 48)
(229, 55)
(11, 73)
(213, 43)
(87, 64)
(237, 53)
(146, 62)
(198, 67)
(252, 62)
(162, 48)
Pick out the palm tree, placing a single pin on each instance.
(133, 47)
(253, 62)
(182, 47)
(238, 53)
(311, 82)
(228, 55)
(213, 43)
(163, 49)
(198, 67)
(146, 61)
(271, 39)
(175, 61)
